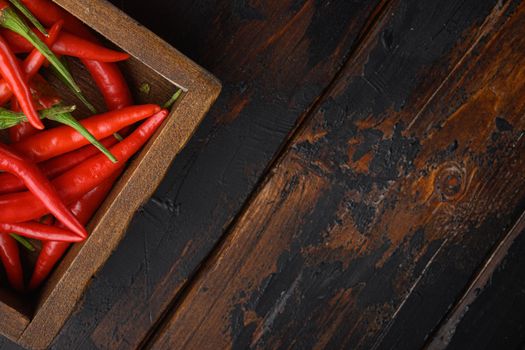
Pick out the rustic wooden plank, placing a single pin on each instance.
(490, 313)
(386, 202)
(274, 58)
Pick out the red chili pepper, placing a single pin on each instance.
(43, 93)
(59, 165)
(21, 131)
(39, 231)
(62, 139)
(72, 45)
(55, 166)
(14, 75)
(10, 256)
(35, 59)
(67, 45)
(22, 206)
(45, 100)
(42, 190)
(110, 82)
(107, 76)
(31, 66)
(83, 209)
(48, 13)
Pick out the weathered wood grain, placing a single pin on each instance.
(490, 313)
(274, 58)
(495, 319)
(386, 202)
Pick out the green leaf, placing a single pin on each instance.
(25, 11)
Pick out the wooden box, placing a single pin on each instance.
(33, 322)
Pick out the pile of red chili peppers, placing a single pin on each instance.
(52, 180)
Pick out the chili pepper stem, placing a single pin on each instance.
(24, 242)
(78, 95)
(25, 11)
(172, 100)
(68, 119)
(9, 118)
(10, 20)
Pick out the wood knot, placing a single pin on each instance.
(450, 181)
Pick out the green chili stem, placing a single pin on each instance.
(173, 99)
(10, 20)
(69, 120)
(23, 241)
(25, 11)
(9, 118)
(145, 88)
(79, 95)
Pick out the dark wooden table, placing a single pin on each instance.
(359, 184)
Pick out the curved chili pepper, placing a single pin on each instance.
(62, 139)
(39, 185)
(111, 83)
(55, 166)
(72, 45)
(10, 256)
(83, 209)
(67, 45)
(13, 74)
(39, 231)
(73, 184)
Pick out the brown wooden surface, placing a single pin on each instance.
(376, 199)
(364, 226)
(503, 292)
